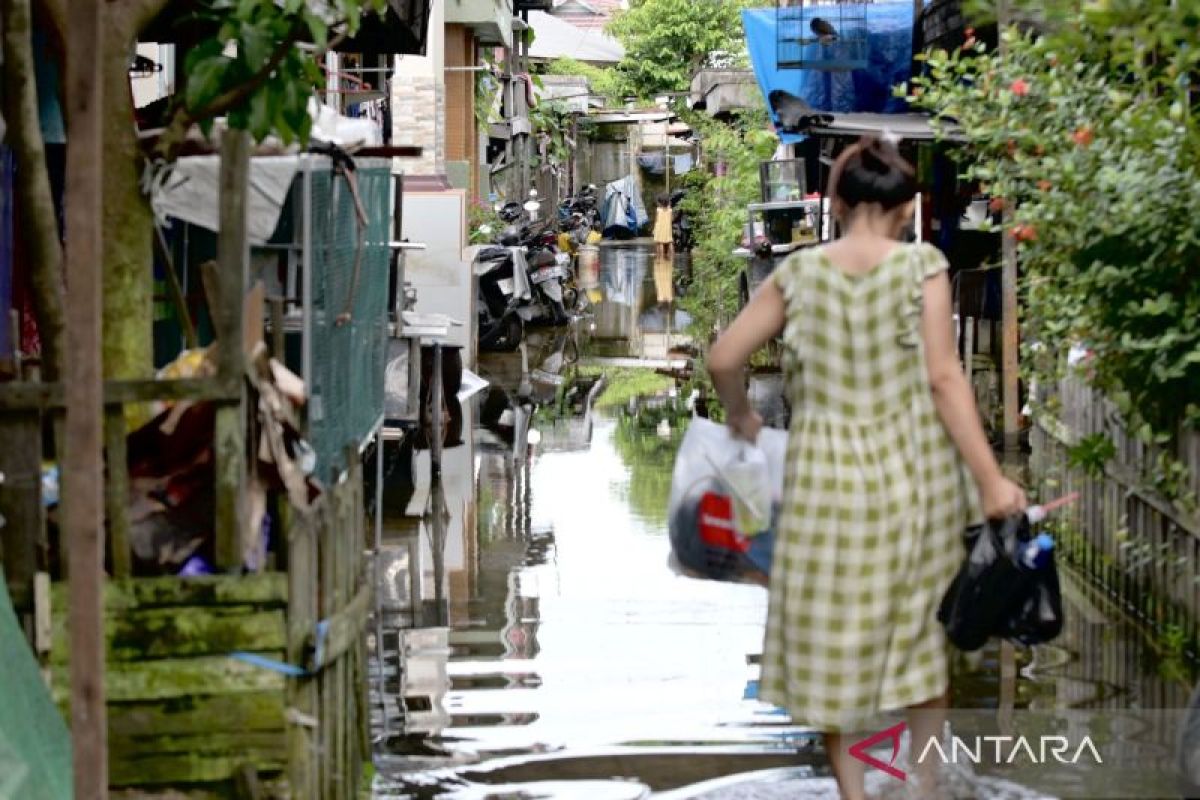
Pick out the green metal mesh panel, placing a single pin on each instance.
(349, 317)
(35, 746)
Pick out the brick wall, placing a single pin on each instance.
(416, 102)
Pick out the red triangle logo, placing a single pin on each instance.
(859, 750)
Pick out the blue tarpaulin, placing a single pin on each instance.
(889, 45)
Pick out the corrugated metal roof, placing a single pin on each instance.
(556, 38)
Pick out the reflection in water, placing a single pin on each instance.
(647, 438)
(633, 310)
(664, 280)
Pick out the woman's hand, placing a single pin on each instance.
(1002, 498)
(745, 425)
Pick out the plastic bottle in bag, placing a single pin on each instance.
(749, 481)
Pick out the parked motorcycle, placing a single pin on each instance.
(500, 292)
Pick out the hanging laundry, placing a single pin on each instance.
(683, 164)
(654, 163)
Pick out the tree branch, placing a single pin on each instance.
(33, 183)
(182, 119)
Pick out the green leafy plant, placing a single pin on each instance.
(483, 223)
(1086, 135)
(666, 41)
(550, 121)
(1092, 454)
(602, 81)
(264, 81)
(717, 204)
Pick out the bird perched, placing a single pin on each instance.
(793, 113)
(825, 32)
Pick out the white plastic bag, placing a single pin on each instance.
(725, 496)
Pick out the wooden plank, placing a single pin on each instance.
(268, 589)
(345, 629)
(134, 721)
(302, 616)
(83, 461)
(184, 631)
(325, 681)
(169, 678)
(21, 500)
(226, 307)
(211, 759)
(274, 787)
(43, 396)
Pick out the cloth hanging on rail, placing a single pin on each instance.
(654, 163)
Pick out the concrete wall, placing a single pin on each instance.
(440, 275)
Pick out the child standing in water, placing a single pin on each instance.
(663, 239)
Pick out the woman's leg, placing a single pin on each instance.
(926, 721)
(849, 771)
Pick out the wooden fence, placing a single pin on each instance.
(1142, 549)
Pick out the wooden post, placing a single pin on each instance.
(1010, 327)
(83, 463)
(437, 435)
(226, 311)
(1010, 394)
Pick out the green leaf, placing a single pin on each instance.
(205, 81)
(316, 29)
(256, 46)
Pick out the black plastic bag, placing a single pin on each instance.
(994, 594)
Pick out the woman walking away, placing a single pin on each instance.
(876, 495)
(663, 238)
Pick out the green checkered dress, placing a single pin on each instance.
(875, 503)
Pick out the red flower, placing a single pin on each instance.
(1011, 147)
(1083, 136)
(970, 33)
(1019, 87)
(1045, 185)
(1024, 233)
(996, 205)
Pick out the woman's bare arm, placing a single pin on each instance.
(955, 402)
(760, 321)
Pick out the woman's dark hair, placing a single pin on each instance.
(664, 201)
(872, 171)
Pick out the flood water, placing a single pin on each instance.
(549, 649)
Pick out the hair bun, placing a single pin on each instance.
(873, 171)
(878, 156)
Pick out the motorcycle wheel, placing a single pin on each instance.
(503, 336)
(571, 297)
